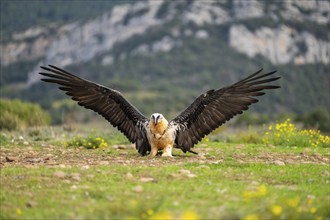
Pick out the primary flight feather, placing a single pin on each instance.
(205, 114)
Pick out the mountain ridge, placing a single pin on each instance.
(190, 40)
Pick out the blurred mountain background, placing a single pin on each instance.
(162, 54)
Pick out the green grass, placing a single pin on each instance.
(225, 181)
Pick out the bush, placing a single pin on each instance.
(16, 114)
(288, 134)
(318, 118)
(249, 136)
(4, 139)
(248, 118)
(91, 142)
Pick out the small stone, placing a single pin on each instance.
(85, 167)
(31, 204)
(109, 198)
(279, 163)
(90, 176)
(119, 147)
(138, 189)
(187, 173)
(75, 176)
(11, 159)
(129, 176)
(176, 203)
(256, 183)
(203, 167)
(191, 175)
(59, 174)
(325, 173)
(146, 179)
(34, 160)
(270, 146)
(104, 162)
(184, 172)
(240, 146)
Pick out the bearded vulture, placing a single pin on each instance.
(205, 114)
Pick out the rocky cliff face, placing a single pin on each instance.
(280, 45)
(279, 42)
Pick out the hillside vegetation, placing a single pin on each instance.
(163, 67)
(44, 13)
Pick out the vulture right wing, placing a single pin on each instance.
(215, 107)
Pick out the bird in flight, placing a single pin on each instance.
(150, 135)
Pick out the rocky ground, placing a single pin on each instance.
(53, 156)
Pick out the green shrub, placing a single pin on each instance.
(288, 134)
(91, 142)
(248, 136)
(9, 121)
(16, 114)
(4, 139)
(318, 118)
(252, 119)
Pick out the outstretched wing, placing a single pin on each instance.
(109, 103)
(215, 107)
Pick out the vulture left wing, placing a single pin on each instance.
(109, 103)
(215, 107)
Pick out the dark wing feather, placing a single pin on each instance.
(215, 107)
(107, 102)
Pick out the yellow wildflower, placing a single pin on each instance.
(19, 212)
(150, 212)
(162, 216)
(293, 202)
(251, 217)
(189, 215)
(312, 210)
(133, 203)
(262, 190)
(259, 192)
(310, 201)
(276, 210)
(248, 195)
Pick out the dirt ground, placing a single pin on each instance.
(55, 156)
